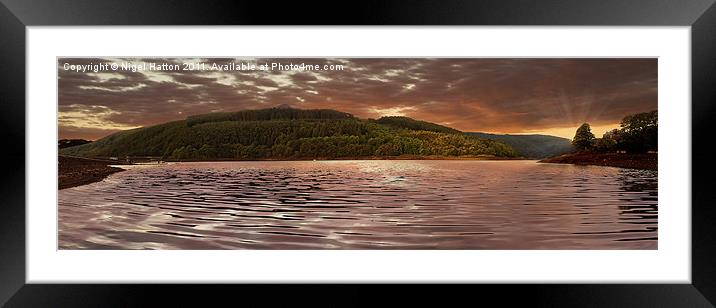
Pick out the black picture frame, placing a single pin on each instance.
(16, 15)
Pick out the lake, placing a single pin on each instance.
(371, 204)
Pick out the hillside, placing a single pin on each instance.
(66, 143)
(288, 133)
(412, 124)
(532, 146)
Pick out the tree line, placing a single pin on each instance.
(638, 133)
(269, 114)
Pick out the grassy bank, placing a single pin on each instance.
(647, 161)
(76, 171)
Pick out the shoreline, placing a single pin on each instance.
(645, 161)
(77, 171)
(401, 157)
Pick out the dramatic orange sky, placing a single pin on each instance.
(547, 96)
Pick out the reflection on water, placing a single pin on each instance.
(363, 205)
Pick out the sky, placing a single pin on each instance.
(517, 96)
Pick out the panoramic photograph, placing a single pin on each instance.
(357, 153)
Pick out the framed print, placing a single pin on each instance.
(436, 144)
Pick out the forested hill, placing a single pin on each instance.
(289, 133)
(412, 124)
(532, 146)
(282, 112)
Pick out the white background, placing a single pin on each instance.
(670, 263)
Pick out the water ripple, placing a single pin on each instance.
(363, 205)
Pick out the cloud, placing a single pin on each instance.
(492, 95)
(90, 117)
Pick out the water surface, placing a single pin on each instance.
(363, 205)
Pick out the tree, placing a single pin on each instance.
(608, 142)
(640, 132)
(613, 134)
(583, 139)
(605, 145)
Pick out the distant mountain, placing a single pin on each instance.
(532, 146)
(289, 133)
